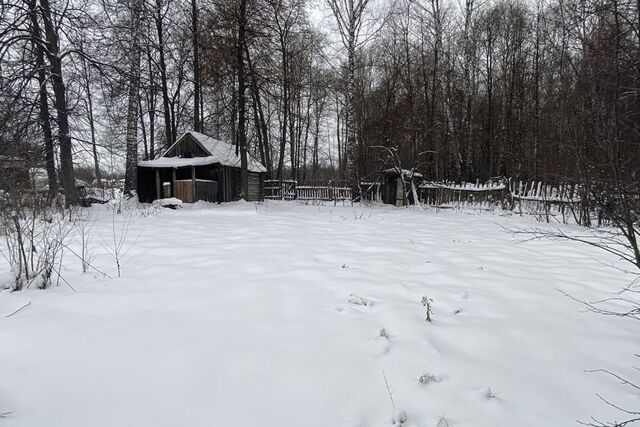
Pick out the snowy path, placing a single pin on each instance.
(232, 315)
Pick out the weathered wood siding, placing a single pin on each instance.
(227, 186)
(184, 190)
(206, 190)
(255, 192)
(187, 147)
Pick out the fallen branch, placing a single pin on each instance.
(9, 315)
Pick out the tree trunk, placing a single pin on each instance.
(242, 134)
(59, 90)
(44, 115)
(163, 76)
(196, 68)
(352, 138)
(92, 125)
(130, 178)
(151, 105)
(262, 127)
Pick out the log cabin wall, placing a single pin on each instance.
(187, 147)
(227, 179)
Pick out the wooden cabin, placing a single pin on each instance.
(198, 167)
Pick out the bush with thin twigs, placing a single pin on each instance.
(117, 242)
(84, 221)
(34, 234)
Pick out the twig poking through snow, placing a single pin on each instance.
(489, 394)
(426, 302)
(399, 415)
(386, 382)
(9, 315)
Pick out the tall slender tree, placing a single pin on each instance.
(349, 17)
(130, 179)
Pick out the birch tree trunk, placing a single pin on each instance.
(348, 14)
(242, 133)
(197, 125)
(130, 178)
(168, 130)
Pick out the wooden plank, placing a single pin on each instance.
(193, 183)
(184, 190)
(254, 188)
(158, 185)
(173, 184)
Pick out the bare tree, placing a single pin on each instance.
(349, 17)
(130, 180)
(60, 101)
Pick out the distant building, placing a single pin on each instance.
(25, 171)
(198, 167)
(393, 186)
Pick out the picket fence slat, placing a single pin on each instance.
(290, 190)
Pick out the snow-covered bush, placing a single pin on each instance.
(358, 300)
(35, 235)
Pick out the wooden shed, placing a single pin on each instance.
(198, 167)
(388, 187)
(393, 191)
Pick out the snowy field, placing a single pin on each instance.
(283, 314)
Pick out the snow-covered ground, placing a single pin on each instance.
(253, 315)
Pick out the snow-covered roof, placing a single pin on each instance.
(219, 152)
(406, 173)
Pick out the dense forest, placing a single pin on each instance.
(461, 90)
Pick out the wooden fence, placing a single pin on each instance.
(321, 191)
(371, 191)
(522, 197)
(547, 200)
(279, 189)
(451, 195)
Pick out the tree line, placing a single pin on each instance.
(466, 90)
